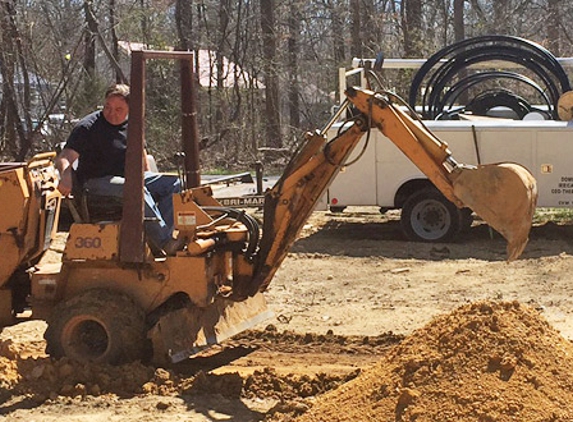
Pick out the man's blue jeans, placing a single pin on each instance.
(158, 197)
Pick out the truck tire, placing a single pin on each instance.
(335, 209)
(467, 219)
(428, 216)
(97, 325)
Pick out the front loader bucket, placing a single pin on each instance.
(504, 195)
(186, 331)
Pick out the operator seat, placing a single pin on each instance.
(86, 207)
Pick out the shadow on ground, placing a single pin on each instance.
(386, 239)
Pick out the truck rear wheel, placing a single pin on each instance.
(335, 209)
(97, 325)
(429, 217)
(467, 219)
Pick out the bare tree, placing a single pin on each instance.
(459, 28)
(499, 21)
(14, 71)
(90, 40)
(119, 77)
(355, 26)
(554, 26)
(184, 22)
(338, 29)
(293, 49)
(291, 46)
(220, 112)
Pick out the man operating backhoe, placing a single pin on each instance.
(99, 143)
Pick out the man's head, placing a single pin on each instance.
(116, 106)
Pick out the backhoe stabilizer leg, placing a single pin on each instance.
(187, 331)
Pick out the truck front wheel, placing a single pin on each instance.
(429, 217)
(97, 325)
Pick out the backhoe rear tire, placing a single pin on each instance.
(428, 216)
(97, 325)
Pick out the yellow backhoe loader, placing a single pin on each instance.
(30, 211)
(110, 299)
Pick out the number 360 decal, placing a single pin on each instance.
(88, 242)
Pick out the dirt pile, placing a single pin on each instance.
(484, 362)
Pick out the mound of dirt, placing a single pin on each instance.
(484, 362)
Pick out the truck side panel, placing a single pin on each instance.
(554, 169)
(544, 147)
(357, 182)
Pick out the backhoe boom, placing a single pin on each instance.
(503, 194)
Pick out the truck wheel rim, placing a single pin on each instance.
(430, 220)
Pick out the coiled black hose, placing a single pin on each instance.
(437, 77)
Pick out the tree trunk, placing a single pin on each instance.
(553, 24)
(292, 64)
(184, 22)
(17, 138)
(338, 30)
(89, 41)
(221, 113)
(459, 28)
(114, 41)
(143, 21)
(270, 74)
(412, 27)
(355, 26)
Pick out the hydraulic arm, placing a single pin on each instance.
(503, 194)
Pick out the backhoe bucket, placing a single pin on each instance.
(504, 195)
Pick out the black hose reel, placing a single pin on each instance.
(465, 78)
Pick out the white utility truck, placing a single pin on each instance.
(380, 175)
(384, 177)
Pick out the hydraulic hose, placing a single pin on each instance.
(250, 223)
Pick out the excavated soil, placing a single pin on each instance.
(29, 378)
(367, 327)
(483, 362)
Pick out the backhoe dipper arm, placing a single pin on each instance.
(289, 204)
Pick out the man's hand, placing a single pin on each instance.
(65, 186)
(64, 162)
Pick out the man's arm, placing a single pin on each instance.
(145, 161)
(64, 162)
